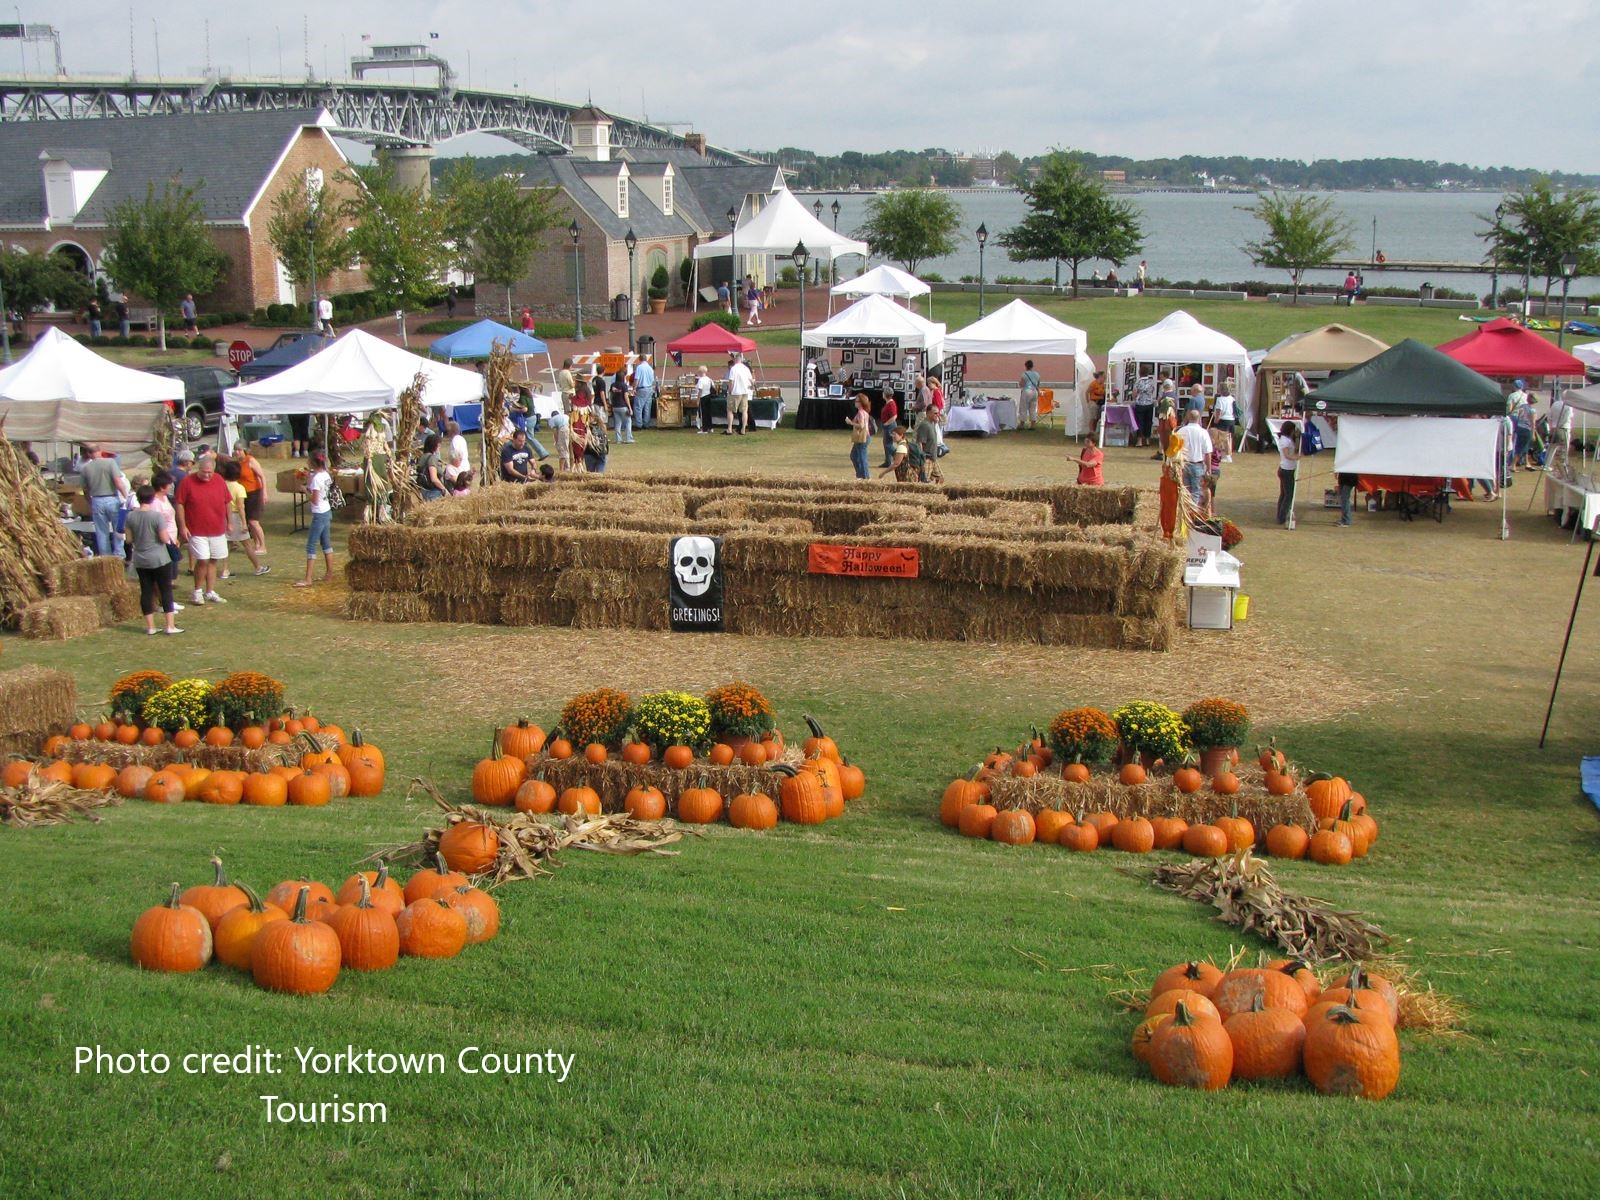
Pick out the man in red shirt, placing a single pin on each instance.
(202, 509)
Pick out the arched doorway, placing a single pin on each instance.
(76, 257)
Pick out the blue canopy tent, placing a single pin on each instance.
(476, 341)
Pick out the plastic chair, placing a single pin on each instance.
(1047, 405)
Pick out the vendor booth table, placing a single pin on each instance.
(826, 412)
(1022, 331)
(1568, 498)
(971, 418)
(1120, 424)
(1181, 349)
(765, 411)
(876, 345)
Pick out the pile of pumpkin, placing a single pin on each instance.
(814, 791)
(346, 767)
(1204, 1028)
(299, 938)
(1345, 830)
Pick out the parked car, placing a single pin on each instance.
(202, 396)
(287, 351)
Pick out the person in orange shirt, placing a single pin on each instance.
(254, 481)
(1090, 463)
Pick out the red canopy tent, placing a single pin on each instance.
(1503, 348)
(714, 339)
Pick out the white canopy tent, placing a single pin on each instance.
(1019, 328)
(1588, 354)
(782, 223)
(358, 373)
(1177, 341)
(877, 317)
(63, 391)
(884, 280)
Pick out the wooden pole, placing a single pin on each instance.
(1565, 642)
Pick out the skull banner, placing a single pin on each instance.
(696, 593)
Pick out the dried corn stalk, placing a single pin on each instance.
(32, 538)
(1245, 895)
(49, 802)
(496, 382)
(404, 493)
(529, 843)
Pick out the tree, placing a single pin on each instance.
(306, 227)
(1073, 219)
(911, 226)
(495, 224)
(1538, 228)
(159, 248)
(33, 279)
(400, 236)
(1302, 231)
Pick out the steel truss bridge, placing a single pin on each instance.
(388, 114)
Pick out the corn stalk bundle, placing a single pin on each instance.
(32, 538)
(49, 802)
(1246, 896)
(163, 438)
(529, 844)
(496, 381)
(405, 495)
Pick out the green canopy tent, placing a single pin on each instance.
(1413, 411)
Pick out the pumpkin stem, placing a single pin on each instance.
(383, 875)
(299, 914)
(1344, 1014)
(1181, 1016)
(216, 867)
(1344, 812)
(365, 899)
(1358, 979)
(356, 739)
(811, 724)
(253, 900)
(782, 769)
(175, 900)
(1318, 777)
(439, 865)
(1258, 1003)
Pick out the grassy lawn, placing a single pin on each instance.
(875, 1007)
(1255, 324)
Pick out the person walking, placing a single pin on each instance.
(92, 312)
(1350, 285)
(724, 298)
(254, 480)
(202, 511)
(565, 384)
(888, 421)
(925, 450)
(105, 485)
(1090, 463)
(644, 394)
(450, 301)
(190, 314)
(1028, 388)
(1520, 410)
(1196, 453)
(1224, 419)
(703, 389)
(1288, 460)
(325, 317)
(1144, 271)
(620, 397)
(752, 302)
(1347, 493)
(147, 533)
(120, 307)
(161, 485)
(238, 520)
(319, 489)
(741, 386)
(860, 422)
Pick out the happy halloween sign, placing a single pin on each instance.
(875, 562)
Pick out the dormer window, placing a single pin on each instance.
(622, 193)
(313, 182)
(666, 193)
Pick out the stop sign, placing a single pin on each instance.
(240, 353)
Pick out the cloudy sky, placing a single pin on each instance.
(1475, 81)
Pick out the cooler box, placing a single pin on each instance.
(1212, 586)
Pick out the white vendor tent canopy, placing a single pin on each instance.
(1586, 400)
(1446, 447)
(1019, 328)
(882, 280)
(1178, 340)
(357, 373)
(1588, 354)
(63, 391)
(782, 223)
(873, 318)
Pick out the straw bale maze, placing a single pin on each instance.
(1056, 565)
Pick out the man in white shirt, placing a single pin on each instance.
(1560, 421)
(1196, 449)
(456, 458)
(325, 316)
(703, 387)
(741, 386)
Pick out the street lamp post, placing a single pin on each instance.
(800, 257)
(733, 255)
(577, 284)
(1569, 268)
(833, 257)
(311, 246)
(983, 240)
(631, 241)
(816, 267)
(1494, 276)
(5, 321)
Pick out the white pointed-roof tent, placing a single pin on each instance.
(782, 223)
(1178, 340)
(883, 280)
(879, 317)
(1019, 328)
(357, 374)
(63, 391)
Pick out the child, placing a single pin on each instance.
(463, 483)
(238, 523)
(900, 462)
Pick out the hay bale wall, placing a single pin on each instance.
(34, 703)
(58, 618)
(1053, 565)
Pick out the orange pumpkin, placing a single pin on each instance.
(1169, 832)
(285, 893)
(310, 789)
(594, 753)
(237, 929)
(558, 747)
(852, 780)
(1287, 841)
(495, 779)
(1238, 990)
(1075, 772)
(1049, 824)
(131, 780)
(152, 735)
(699, 805)
(752, 810)
(369, 939)
(1240, 833)
(164, 787)
(522, 739)
(300, 956)
(752, 754)
(81, 731)
(1201, 977)
(645, 803)
(1131, 774)
(1331, 848)
(265, 789)
(218, 735)
(720, 755)
(636, 753)
(94, 777)
(185, 738)
(383, 892)
(252, 737)
(977, 820)
(1326, 794)
(1267, 1042)
(579, 800)
(1225, 783)
(1134, 836)
(478, 907)
(1079, 837)
(677, 758)
(535, 795)
(171, 937)
(801, 798)
(470, 846)
(429, 880)
(431, 928)
(54, 746)
(1198, 1003)
(1205, 841)
(127, 734)
(221, 787)
(1104, 822)
(217, 897)
(366, 774)
(1187, 778)
(819, 744)
(337, 776)
(1013, 827)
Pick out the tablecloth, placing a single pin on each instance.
(1413, 485)
(763, 413)
(1564, 497)
(1005, 412)
(825, 412)
(971, 419)
(1121, 414)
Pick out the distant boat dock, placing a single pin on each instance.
(1424, 266)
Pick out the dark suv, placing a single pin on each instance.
(202, 396)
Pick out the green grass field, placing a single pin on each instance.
(875, 1007)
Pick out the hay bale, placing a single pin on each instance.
(124, 602)
(394, 607)
(1157, 797)
(34, 703)
(98, 576)
(613, 779)
(57, 618)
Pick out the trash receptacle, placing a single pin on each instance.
(619, 307)
(1425, 292)
(645, 347)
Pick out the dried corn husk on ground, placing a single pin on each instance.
(529, 844)
(47, 802)
(1245, 895)
(32, 538)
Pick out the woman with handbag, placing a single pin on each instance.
(860, 423)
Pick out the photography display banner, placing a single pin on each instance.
(876, 562)
(1449, 447)
(695, 593)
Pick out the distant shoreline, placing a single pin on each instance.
(1131, 189)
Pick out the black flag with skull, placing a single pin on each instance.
(696, 592)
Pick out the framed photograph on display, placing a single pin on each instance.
(886, 356)
(847, 358)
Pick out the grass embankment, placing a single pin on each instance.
(857, 1009)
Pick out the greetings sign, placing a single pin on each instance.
(877, 562)
(695, 592)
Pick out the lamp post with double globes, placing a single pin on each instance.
(816, 267)
(577, 283)
(733, 257)
(801, 257)
(983, 240)
(631, 241)
(833, 259)
(1494, 267)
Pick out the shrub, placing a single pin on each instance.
(1216, 722)
(598, 716)
(787, 277)
(201, 342)
(686, 271)
(1083, 735)
(932, 277)
(129, 693)
(245, 697)
(671, 719)
(737, 709)
(1152, 728)
(660, 281)
(183, 703)
(728, 320)
(444, 325)
(563, 329)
